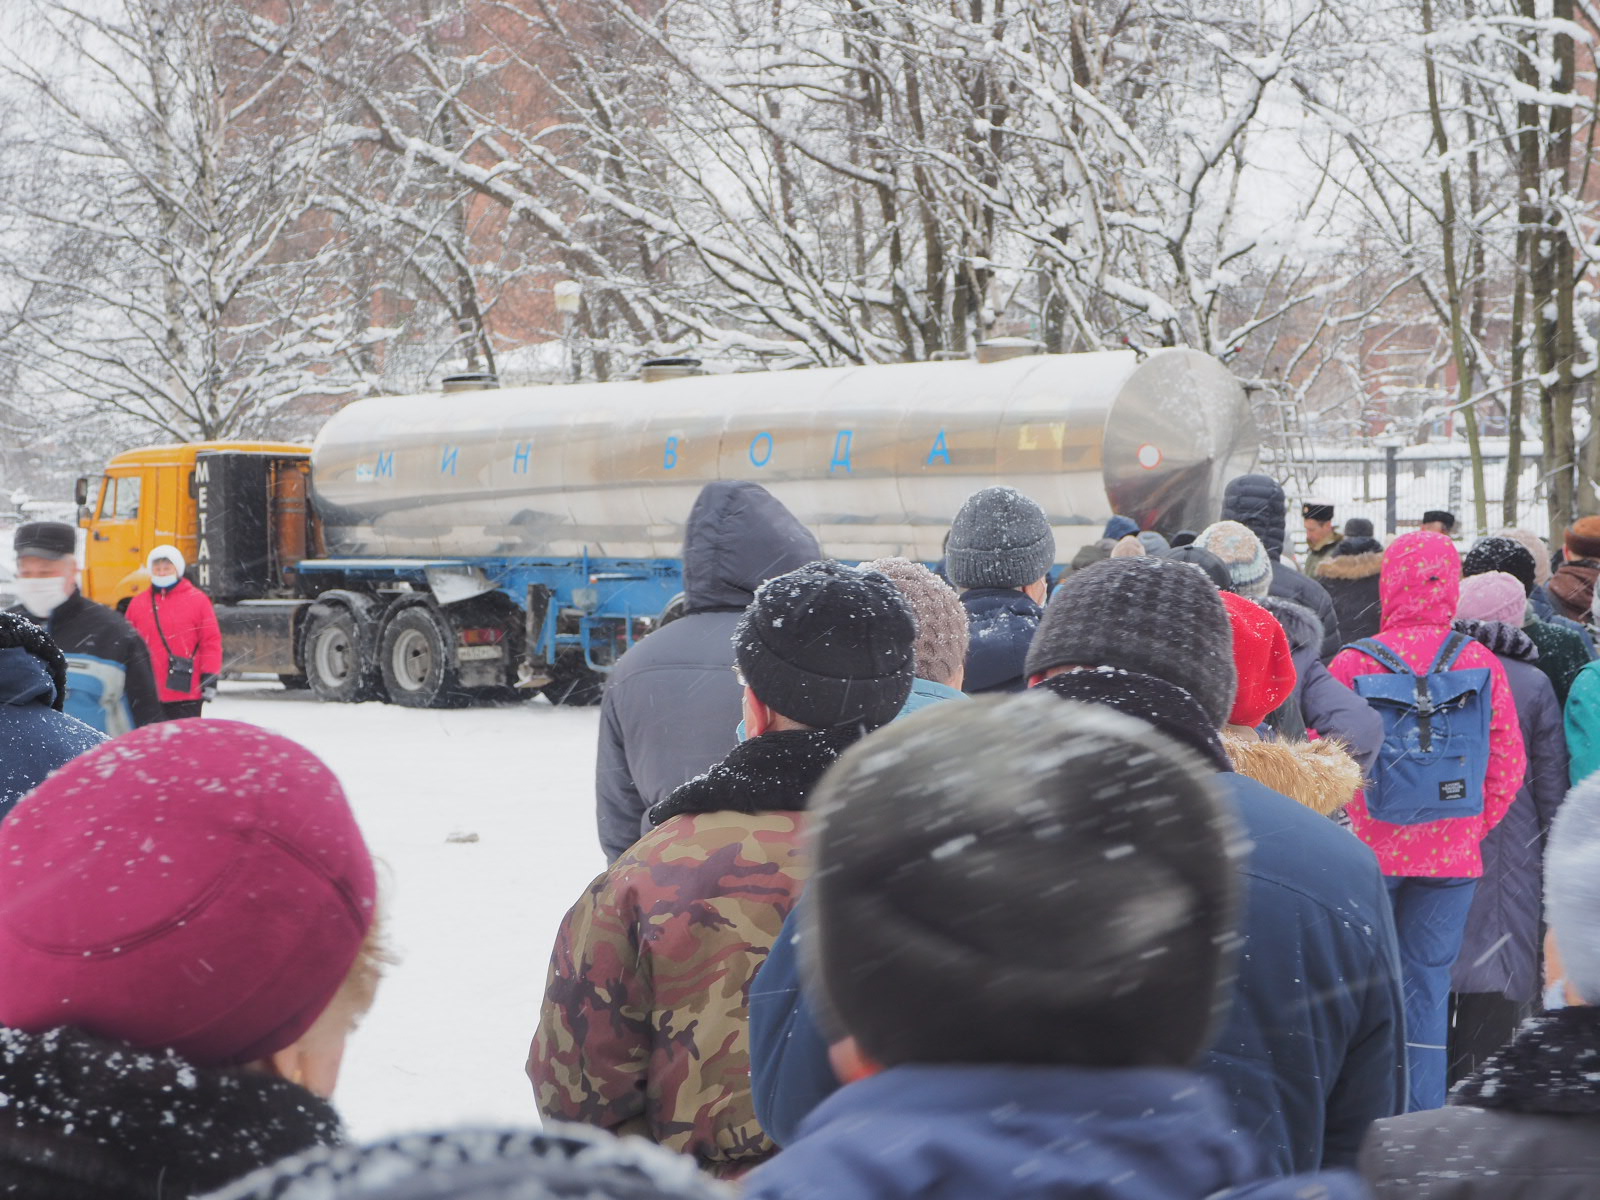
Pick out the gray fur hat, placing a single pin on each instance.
(942, 631)
(1572, 886)
(559, 1162)
(1063, 877)
(999, 539)
(1149, 615)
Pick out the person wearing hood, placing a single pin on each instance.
(1258, 503)
(645, 1023)
(671, 705)
(1526, 1124)
(1000, 552)
(1318, 774)
(110, 686)
(1006, 1033)
(1571, 586)
(179, 627)
(1320, 704)
(1562, 644)
(1496, 978)
(1350, 577)
(36, 737)
(176, 990)
(1312, 1050)
(1432, 867)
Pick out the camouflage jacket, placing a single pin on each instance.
(645, 1027)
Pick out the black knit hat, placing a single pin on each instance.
(1148, 615)
(1358, 527)
(17, 632)
(45, 539)
(1500, 554)
(1215, 569)
(1165, 705)
(999, 539)
(828, 645)
(1060, 877)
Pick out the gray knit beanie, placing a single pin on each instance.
(1572, 886)
(999, 539)
(942, 630)
(1149, 615)
(1079, 910)
(1242, 553)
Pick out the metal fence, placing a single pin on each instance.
(1392, 486)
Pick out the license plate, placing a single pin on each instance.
(476, 653)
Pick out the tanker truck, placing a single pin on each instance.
(434, 549)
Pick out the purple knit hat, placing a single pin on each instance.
(1492, 596)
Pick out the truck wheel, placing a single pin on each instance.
(574, 683)
(333, 658)
(418, 660)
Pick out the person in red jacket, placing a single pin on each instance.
(177, 622)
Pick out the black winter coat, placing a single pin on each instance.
(1258, 503)
(1319, 701)
(86, 1119)
(1351, 581)
(1500, 949)
(1524, 1126)
(672, 706)
(1001, 622)
(110, 684)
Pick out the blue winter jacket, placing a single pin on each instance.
(956, 1132)
(1313, 1050)
(1002, 622)
(35, 739)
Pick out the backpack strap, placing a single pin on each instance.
(1386, 657)
(1450, 651)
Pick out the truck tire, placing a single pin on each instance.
(418, 660)
(574, 684)
(334, 666)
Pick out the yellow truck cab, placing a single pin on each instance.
(146, 498)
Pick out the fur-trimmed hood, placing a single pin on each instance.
(1319, 774)
(1351, 566)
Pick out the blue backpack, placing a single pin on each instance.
(1435, 735)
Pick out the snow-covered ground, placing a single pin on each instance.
(473, 920)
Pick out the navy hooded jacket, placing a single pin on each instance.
(35, 739)
(672, 704)
(1258, 503)
(1313, 1050)
(954, 1132)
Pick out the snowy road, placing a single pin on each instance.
(473, 921)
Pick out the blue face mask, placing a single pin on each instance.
(743, 736)
(165, 581)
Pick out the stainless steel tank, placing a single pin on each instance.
(875, 460)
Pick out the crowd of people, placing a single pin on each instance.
(1181, 871)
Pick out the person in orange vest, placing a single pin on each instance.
(178, 624)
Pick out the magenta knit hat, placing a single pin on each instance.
(199, 885)
(1492, 596)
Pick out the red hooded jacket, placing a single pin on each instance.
(1420, 587)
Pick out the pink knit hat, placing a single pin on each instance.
(1492, 596)
(194, 884)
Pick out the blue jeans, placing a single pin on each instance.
(1430, 915)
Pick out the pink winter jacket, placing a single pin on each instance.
(1418, 588)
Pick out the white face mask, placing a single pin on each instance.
(43, 596)
(165, 581)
